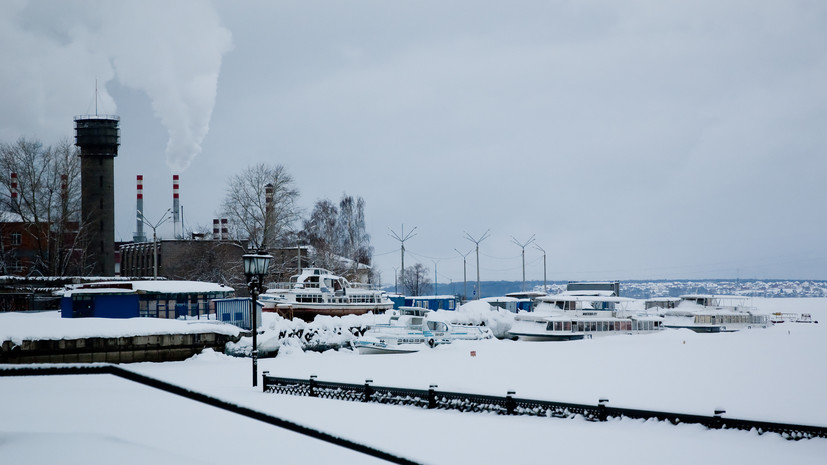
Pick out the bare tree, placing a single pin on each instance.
(415, 281)
(339, 236)
(47, 203)
(245, 205)
(319, 231)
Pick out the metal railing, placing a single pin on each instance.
(511, 405)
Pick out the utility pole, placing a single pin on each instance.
(522, 246)
(464, 277)
(477, 242)
(402, 238)
(544, 266)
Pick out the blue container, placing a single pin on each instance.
(236, 312)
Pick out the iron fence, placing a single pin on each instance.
(432, 398)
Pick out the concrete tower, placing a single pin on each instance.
(98, 137)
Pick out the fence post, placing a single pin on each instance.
(368, 391)
(716, 419)
(312, 392)
(264, 375)
(432, 396)
(510, 405)
(602, 414)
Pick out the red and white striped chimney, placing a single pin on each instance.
(225, 230)
(176, 208)
(64, 187)
(14, 189)
(216, 230)
(139, 210)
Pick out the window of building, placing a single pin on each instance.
(16, 238)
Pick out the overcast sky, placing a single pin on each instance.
(638, 139)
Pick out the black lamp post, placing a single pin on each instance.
(255, 268)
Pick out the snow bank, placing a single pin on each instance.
(19, 326)
(478, 313)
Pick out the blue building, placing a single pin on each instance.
(131, 299)
(430, 302)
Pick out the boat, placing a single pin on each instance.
(779, 317)
(317, 291)
(409, 329)
(573, 316)
(707, 313)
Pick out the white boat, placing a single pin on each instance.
(779, 317)
(408, 330)
(316, 291)
(707, 313)
(566, 317)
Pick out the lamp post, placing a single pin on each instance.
(464, 277)
(522, 246)
(477, 242)
(164, 218)
(544, 265)
(255, 268)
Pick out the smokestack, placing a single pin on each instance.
(64, 187)
(268, 216)
(215, 229)
(139, 210)
(176, 209)
(14, 190)
(225, 231)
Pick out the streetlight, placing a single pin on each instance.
(522, 246)
(255, 268)
(164, 219)
(464, 277)
(402, 238)
(544, 265)
(477, 242)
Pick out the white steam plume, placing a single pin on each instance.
(171, 50)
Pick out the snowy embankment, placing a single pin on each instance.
(772, 374)
(17, 327)
(279, 335)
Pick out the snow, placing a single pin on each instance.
(771, 374)
(161, 286)
(17, 326)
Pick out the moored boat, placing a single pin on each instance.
(316, 291)
(706, 313)
(567, 317)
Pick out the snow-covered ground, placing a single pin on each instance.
(774, 374)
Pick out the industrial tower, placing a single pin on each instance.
(98, 137)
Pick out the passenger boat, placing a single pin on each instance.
(707, 313)
(567, 317)
(316, 291)
(779, 317)
(410, 330)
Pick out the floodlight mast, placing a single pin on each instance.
(477, 242)
(464, 277)
(522, 246)
(402, 238)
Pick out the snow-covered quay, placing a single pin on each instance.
(773, 374)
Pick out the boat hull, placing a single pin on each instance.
(308, 313)
(381, 348)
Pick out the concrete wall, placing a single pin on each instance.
(153, 348)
